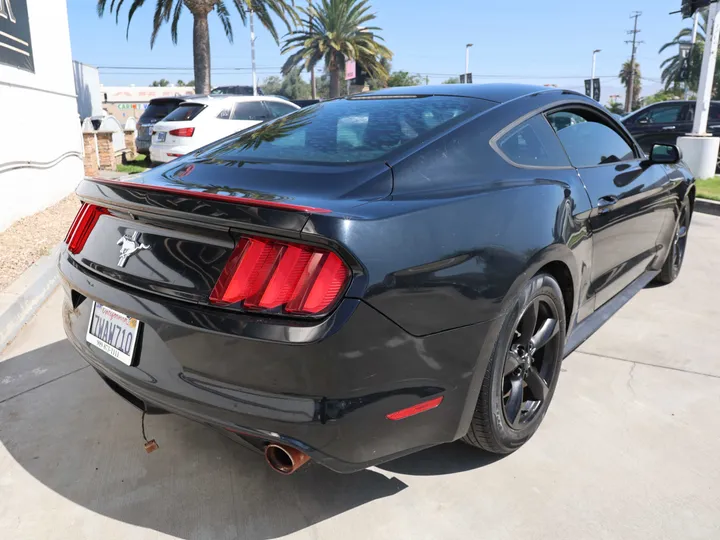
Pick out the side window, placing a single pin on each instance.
(278, 109)
(587, 140)
(662, 114)
(250, 110)
(533, 143)
(714, 112)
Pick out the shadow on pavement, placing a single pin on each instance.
(444, 459)
(83, 442)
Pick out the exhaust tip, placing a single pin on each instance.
(285, 459)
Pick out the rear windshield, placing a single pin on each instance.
(158, 111)
(185, 112)
(350, 130)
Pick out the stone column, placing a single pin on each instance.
(108, 161)
(90, 154)
(130, 150)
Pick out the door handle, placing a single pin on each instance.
(668, 128)
(604, 203)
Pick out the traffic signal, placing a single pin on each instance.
(689, 7)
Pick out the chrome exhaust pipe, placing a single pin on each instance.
(285, 459)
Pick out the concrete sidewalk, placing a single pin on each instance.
(629, 449)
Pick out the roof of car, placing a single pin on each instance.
(229, 98)
(498, 92)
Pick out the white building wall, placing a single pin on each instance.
(40, 139)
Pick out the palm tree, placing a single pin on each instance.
(332, 30)
(637, 85)
(671, 66)
(200, 9)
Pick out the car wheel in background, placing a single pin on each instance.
(520, 380)
(673, 263)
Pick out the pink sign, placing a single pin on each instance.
(349, 69)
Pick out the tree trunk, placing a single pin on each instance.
(335, 82)
(313, 86)
(201, 53)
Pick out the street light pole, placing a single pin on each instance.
(693, 39)
(252, 52)
(467, 60)
(592, 75)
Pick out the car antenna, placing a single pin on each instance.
(151, 445)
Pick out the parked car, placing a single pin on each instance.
(199, 121)
(376, 274)
(235, 90)
(157, 109)
(664, 122)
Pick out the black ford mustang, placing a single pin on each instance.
(373, 275)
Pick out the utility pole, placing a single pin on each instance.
(635, 43)
(252, 52)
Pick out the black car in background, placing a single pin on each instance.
(664, 122)
(157, 109)
(376, 274)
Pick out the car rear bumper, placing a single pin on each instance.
(325, 388)
(142, 146)
(162, 153)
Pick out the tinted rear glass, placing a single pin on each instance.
(185, 112)
(350, 130)
(158, 111)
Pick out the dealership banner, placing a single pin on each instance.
(15, 44)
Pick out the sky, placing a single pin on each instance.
(527, 41)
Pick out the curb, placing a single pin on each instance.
(707, 207)
(20, 301)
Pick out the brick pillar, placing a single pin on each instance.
(108, 161)
(130, 150)
(90, 156)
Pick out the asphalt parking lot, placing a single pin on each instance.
(629, 449)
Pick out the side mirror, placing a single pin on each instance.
(665, 153)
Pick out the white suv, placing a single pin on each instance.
(200, 121)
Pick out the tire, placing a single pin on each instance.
(675, 257)
(527, 352)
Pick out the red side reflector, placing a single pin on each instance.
(82, 226)
(268, 274)
(415, 409)
(175, 155)
(183, 132)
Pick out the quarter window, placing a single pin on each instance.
(250, 110)
(533, 143)
(588, 141)
(278, 109)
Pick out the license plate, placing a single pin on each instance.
(112, 332)
(161, 136)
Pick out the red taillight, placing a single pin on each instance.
(415, 409)
(183, 132)
(82, 226)
(267, 274)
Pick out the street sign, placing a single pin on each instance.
(349, 69)
(594, 90)
(685, 48)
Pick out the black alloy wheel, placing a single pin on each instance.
(521, 376)
(530, 363)
(676, 255)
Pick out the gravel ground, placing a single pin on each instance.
(33, 237)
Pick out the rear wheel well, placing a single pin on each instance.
(691, 197)
(561, 273)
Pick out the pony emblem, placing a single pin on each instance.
(129, 246)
